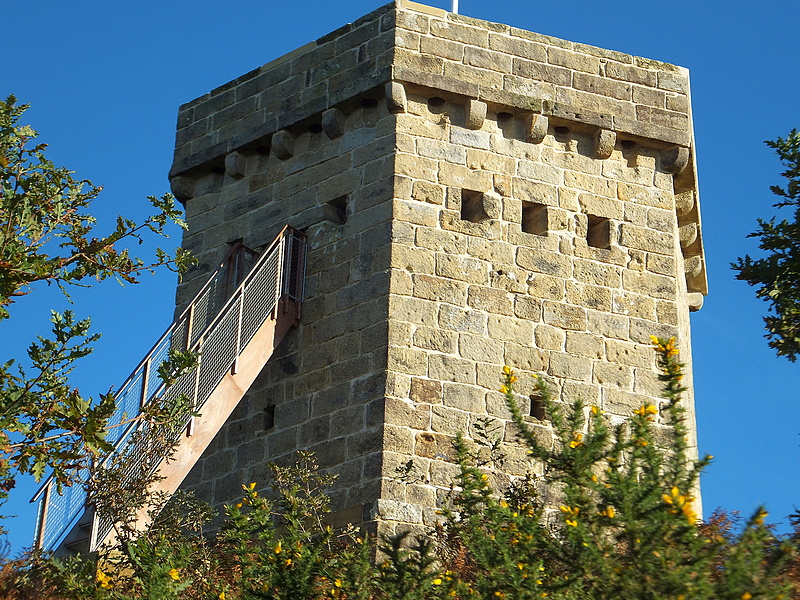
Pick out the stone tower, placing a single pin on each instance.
(474, 195)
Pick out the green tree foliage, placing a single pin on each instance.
(611, 516)
(48, 236)
(777, 275)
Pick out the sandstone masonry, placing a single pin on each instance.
(474, 195)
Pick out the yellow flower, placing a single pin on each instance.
(577, 440)
(504, 389)
(104, 580)
(594, 478)
(437, 581)
(221, 596)
(594, 410)
(278, 548)
(759, 519)
(664, 346)
(571, 522)
(337, 583)
(173, 573)
(239, 505)
(747, 596)
(646, 410)
(252, 486)
(608, 512)
(507, 370)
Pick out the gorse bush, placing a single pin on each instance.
(618, 520)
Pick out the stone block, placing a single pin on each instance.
(448, 420)
(424, 191)
(483, 78)
(536, 128)
(657, 286)
(684, 202)
(597, 273)
(567, 366)
(435, 339)
(462, 268)
(613, 375)
(524, 358)
(476, 114)
(333, 123)
(645, 239)
(411, 361)
(538, 71)
(518, 47)
(395, 97)
(444, 48)
(411, 259)
(642, 329)
(565, 316)
(510, 329)
(283, 145)
(490, 300)
(631, 73)
(548, 337)
(486, 59)
(632, 355)
(604, 142)
(585, 344)
(471, 36)
(479, 348)
(393, 510)
(547, 263)
(437, 446)
(457, 319)
(663, 118)
(439, 289)
(545, 286)
(428, 391)
(445, 367)
(442, 151)
(675, 161)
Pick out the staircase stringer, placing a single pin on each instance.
(219, 406)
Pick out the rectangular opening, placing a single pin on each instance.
(537, 408)
(534, 218)
(598, 232)
(472, 206)
(269, 418)
(336, 210)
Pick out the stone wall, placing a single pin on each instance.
(331, 174)
(474, 195)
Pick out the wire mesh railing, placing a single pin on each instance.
(218, 324)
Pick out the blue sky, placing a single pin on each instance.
(105, 80)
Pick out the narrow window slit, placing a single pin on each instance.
(269, 418)
(598, 232)
(472, 206)
(534, 218)
(537, 408)
(336, 210)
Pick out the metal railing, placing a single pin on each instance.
(218, 327)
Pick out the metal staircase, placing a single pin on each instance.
(234, 323)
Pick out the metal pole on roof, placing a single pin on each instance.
(455, 7)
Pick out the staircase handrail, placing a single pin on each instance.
(193, 342)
